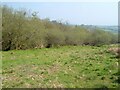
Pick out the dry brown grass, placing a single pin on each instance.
(115, 51)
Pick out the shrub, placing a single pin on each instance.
(21, 30)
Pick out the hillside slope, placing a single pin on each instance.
(66, 67)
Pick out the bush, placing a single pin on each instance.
(21, 30)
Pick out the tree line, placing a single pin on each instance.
(22, 29)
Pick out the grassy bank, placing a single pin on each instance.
(68, 67)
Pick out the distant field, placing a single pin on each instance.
(113, 29)
(66, 67)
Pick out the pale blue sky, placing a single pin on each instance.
(90, 13)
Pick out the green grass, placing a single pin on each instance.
(66, 67)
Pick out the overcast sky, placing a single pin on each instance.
(90, 13)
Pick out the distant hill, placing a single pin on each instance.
(113, 29)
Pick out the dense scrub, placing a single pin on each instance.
(25, 30)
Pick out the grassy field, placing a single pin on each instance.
(66, 67)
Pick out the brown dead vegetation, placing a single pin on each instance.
(115, 51)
